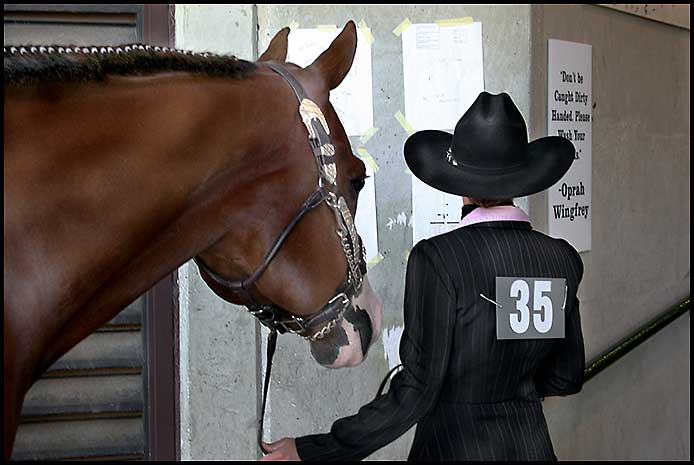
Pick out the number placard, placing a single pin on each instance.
(530, 308)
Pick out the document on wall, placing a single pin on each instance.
(433, 212)
(443, 75)
(365, 220)
(352, 99)
(570, 115)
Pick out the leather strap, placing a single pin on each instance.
(312, 202)
(293, 83)
(271, 345)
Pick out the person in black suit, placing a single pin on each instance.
(492, 324)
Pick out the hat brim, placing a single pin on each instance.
(547, 160)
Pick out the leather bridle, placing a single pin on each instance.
(278, 320)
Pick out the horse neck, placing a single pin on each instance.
(121, 176)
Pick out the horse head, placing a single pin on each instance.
(298, 259)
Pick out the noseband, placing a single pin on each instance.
(278, 320)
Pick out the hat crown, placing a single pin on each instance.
(491, 134)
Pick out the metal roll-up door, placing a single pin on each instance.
(89, 404)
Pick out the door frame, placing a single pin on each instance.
(160, 325)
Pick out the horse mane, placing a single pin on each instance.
(30, 65)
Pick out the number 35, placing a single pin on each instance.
(541, 320)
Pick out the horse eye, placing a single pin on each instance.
(358, 184)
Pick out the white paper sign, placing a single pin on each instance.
(352, 99)
(433, 212)
(365, 220)
(443, 73)
(570, 115)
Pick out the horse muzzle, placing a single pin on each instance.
(348, 344)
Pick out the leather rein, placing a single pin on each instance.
(318, 325)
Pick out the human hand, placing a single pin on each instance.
(284, 449)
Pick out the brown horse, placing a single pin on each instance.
(122, 164)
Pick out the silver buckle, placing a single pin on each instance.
(295, 319)
(343, 296)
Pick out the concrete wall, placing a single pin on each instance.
(639, 263)
(218, 340)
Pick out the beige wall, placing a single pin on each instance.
(674, 14)
(639, 263)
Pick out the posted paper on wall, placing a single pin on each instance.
(433, 212)
(352, 99)
(365, 220)
(570, 115)
(443, 75)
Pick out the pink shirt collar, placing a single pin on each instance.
(502, 213)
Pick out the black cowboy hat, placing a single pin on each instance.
(488, 156)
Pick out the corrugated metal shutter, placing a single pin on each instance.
(90, 402)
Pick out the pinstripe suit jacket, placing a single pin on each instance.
(473, 397)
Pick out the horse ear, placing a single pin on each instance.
(333, 64)
(277, 50)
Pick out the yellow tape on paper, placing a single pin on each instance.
(454, 21)
(367, 32)
(326, 27)
(407, 171)
(368, 135)
(368, 159)
(375, 261)
(402, 26)
(293, 25)
(404, 123)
